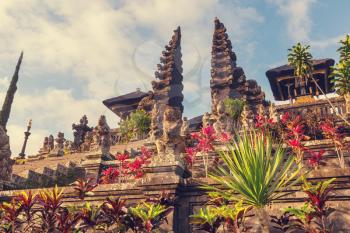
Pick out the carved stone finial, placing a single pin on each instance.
(80, 131)
(103, 136)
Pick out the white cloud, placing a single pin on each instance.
(328, 42)
(297, 14)
(93, 43)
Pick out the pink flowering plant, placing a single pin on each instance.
(127, 168)
(204, 143)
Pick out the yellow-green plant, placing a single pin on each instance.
(255, 172)
(152, 215)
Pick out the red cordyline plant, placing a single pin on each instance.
(84, 188)
(330, 131)
(10, 220)
(67, 221)
(125, 168)
(313, 215)
(204, 144)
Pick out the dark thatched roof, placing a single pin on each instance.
(283, 71)
(125, 104)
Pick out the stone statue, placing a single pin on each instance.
(5, 157)
(88, 140)
(45, 148)
(156, 122)
(51, 143)
(172, 141)
(68, 146)
(185, 128)
(80, 131)
(206, 119)
(220, 124)
(59, 146)
(245, 118)
(273, 112)
(103, 135)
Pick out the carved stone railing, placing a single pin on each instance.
(320, 107)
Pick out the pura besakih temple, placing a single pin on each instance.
(61, 161)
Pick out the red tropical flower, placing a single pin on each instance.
(295, 144)
(195, 136)
(285, 118)
(225, 137)
(316, 158)
(122, 156)
(136, 165)
(109, 175)
(208, 131)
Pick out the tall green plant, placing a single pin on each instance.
(137, 124)
(254, 171)
(300, 58)
(341, 72)
(234, 107)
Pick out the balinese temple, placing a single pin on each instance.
(303, 95)
(125, 104)
(228, 80)
(286, 86)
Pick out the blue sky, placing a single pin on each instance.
(78, 53)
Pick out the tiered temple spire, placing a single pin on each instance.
(167, 94)
(227, 80)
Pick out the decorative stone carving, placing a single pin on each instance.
(59, 146)
(245, 118)
(80, 131)
(167, 94)
(45, 149)
(221, 121)
(185, 128)
(5, 157)
(273, 112)
(156, 122)
(172, 141)
(103, 135)
(88, 140)
(206, 119)
(51, 143)
(69, 146)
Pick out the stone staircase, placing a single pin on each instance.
(47, 176)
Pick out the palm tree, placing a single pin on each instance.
(300, 59)
(254, 172)
(341, 72)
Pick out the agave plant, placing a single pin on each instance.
(84, 188)
(253, 171)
